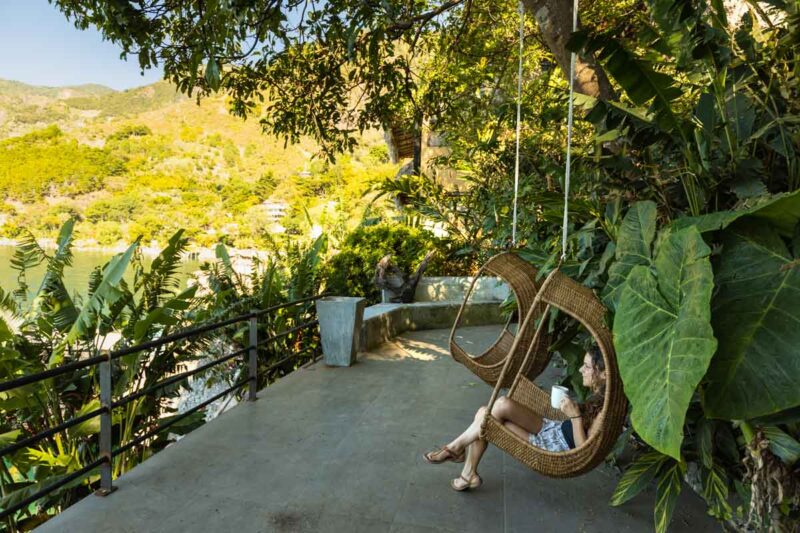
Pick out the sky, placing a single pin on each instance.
(39, 46)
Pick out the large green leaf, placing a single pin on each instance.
(633, 248)
(663, 337)
(782, 444)
(781, 210)
(756, 317)
(106, 292)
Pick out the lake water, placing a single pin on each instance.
(76, 277)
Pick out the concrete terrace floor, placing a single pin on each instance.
(340, 449)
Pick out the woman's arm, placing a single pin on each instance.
(571, 409)
(578, 434)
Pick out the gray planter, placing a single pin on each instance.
(340, 320)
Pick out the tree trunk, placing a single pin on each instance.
(555, 22)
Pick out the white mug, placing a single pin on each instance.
(558, 393)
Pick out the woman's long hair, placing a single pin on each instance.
(594, 404)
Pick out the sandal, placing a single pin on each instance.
(451, 456)
(471, 484)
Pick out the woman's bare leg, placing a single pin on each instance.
(470, 434)
(519, 419)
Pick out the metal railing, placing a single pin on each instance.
(107, 453)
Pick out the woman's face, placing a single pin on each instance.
(589, 372)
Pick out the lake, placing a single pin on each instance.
(76, 277)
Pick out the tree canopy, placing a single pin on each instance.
(327, 69)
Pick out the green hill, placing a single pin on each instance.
(17, 88)
(147, 161)
(129, 102)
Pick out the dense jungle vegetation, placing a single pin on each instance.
(685, 210)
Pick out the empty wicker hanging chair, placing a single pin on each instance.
(521, 278)
(578, 301)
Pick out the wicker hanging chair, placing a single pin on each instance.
(578, 301)
(521, 278)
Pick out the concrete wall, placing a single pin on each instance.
(383, 322)
(453, 289)
(436, 305)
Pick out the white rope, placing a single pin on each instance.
(569, 135)
(519, 121)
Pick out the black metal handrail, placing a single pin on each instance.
(108, 404)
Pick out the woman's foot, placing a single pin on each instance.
(463, 483)
(443, 455)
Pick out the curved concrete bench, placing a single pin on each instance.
(437, 302)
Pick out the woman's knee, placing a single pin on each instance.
(480, 414)
(501, 407)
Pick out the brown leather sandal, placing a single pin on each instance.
(471, 484)
(451, 456)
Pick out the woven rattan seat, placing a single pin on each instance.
(578, 301)
(521, 278)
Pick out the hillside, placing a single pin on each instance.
(147, 161)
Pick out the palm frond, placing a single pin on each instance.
(10, 318)
(28, 254)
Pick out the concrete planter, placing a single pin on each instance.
(340, 321)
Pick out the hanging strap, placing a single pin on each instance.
(519, 114)
(565, 228)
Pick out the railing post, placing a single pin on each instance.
(252, 356)
(106, 486)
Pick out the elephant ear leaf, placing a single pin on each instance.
(757, 320)
(663, 337)
(633, 248)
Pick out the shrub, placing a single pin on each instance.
(350, 272)
(131, 130)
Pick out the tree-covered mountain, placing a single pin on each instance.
(148, 161)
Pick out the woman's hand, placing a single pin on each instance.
(569, 408)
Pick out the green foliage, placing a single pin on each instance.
(130, 130)
(663, 337)
(632, 249)
(667, 491)
(756, 310)
(695, 146)
(46, 162)
(144, 305)
(350, 272)
(638, 476)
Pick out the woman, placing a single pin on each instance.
(551, 435)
